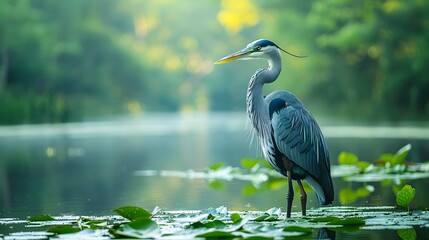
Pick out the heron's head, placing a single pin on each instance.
(258, 49)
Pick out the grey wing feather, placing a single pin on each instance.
(299, 138)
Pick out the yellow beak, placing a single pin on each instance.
(234, 56)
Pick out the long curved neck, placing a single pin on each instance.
(257, 107)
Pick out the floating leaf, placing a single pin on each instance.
(346, 158)
(386, 158)
(298, 229)
(235, 217)
(217, 224)
(64, 229)
(347, 196)
(138, 228)
(397, 158)
(271, 214)
(131, 213)
(249, 163)
(259, 237)
(353, 221)
(40, 218)
(405, 196)
(363, 164)
(216, 234)
(364, 191)
(249, 190)
(324, 219)
(407, 234)
(217, 166)
(262, 217)
(274, 184)
(215, 184)
(92, 224)
(401, 154)
(275, 210)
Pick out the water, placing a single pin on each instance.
(90, 168)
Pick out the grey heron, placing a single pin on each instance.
(290, 138)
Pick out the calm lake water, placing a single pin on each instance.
(90, 168)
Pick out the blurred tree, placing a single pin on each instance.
(69, 61)
(379, 58)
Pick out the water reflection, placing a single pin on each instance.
(89, 168)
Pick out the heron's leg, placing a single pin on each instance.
(289, 194)
(303, 198)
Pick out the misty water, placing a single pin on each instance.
(91, 168)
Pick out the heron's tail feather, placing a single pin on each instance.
(323, 187)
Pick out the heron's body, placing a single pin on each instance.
(290, 137)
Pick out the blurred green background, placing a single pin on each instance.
(67, 61)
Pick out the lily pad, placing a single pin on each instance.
(40, 218)
(346, 158)
(407, 234)
(131, 213)
(138, 228)
(352, 221)
(64, 229)
(405, 196)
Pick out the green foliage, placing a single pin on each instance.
(64, 229)
(324, 219)
(92, 224)
(235, 217)
(332, 220)
(250, 163)
(40, 218)
(396, 159)
(221, 223)
(132, 213)
(352, 221)
(138, 228)
(271, 214)
(298, 229)
(345, 158)
(102, 58)
(407, 234)
(405, 196)
(348, 195)
(217, 166)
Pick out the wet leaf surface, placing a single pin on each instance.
(131, 213)
(40, 218)
(405, 196)
(221, 223)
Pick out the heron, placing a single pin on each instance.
(290, 138)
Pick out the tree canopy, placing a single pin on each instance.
(78, 60)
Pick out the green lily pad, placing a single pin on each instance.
(298, 229)
(64, 229)
(401, 154)
(40, 218)
(353, 221)
(138, 228)
(405, 196)
(249, 163)
(217, 166)
(235, 217)
(407, 234)
(324, 219)
(131, 213)
(217, 224)
(216, 234)
(346, 158)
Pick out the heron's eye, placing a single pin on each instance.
(258, 48)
